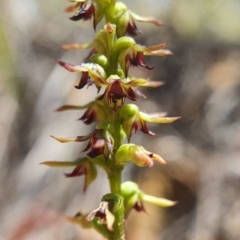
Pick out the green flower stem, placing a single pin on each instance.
(109, 12)
(118, 226)
(115, 172)
(115, 179)
(112, 69)
(102, 229)
(117, 135)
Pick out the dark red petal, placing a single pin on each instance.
(78, 171)
(143, 127)
(95, 152)
(141, 61)
(135, 127)
(138, 60)
(139, 94)
(139, 207)
(130, 93)
(132, 29)
(89, 145)
(83, 81)
(89, 116)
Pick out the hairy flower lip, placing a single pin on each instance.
(78, 171)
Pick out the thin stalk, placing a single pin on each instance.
(115, 172)
(118, 226)
(115, 179)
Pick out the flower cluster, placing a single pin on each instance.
(107, 67)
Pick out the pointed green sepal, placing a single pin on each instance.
(77, 46)
(134, 198)
(83, 167)
(161, 202)
(146, 19)
(61, 164)
(157, 118)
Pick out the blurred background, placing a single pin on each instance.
(202, 84)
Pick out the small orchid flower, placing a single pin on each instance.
(96, 111)
(132, 54)
(85, 10)
(125, 20)
(92, 73)
(133, 119)
(111, 205)
(118, 89)
(103, 214)
(83, 167)
(89, 116)
(100, 142)
(134, 198)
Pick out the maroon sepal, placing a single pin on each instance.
(132, 29)
(138, 60)
(139, 207)
(89, 116)
(85, 80)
